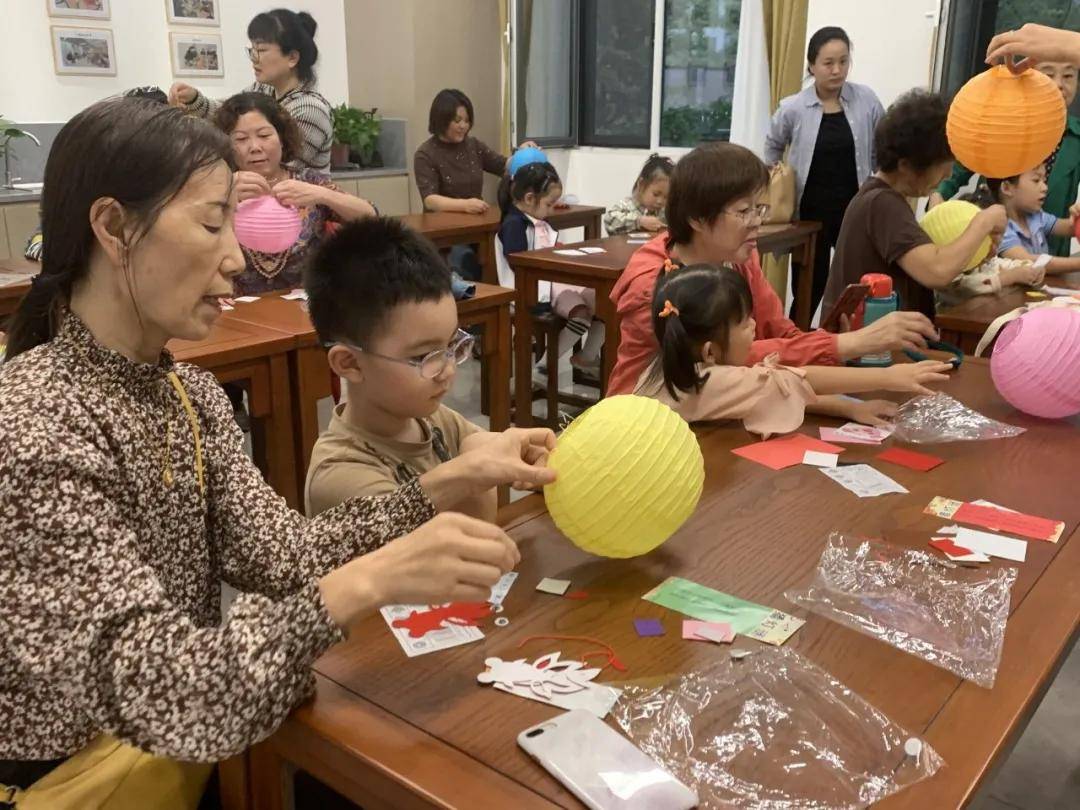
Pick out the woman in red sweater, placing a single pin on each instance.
(714, 217)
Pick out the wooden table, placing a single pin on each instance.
(598, 271)
(388, 731)
(964, 324)
(12, 292)
(309, 372)
(257, 356)
(448, 228)
(800, 240)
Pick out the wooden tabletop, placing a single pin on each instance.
(755, 534)
(232, 341)
(784, 236)
(609, 264)
(445, 224)
(13, 289)
(975, 314)
(487, 295)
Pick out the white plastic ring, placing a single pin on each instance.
(502, 621)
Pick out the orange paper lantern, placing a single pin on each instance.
(1001, 124)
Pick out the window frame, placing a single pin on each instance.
(559, 141)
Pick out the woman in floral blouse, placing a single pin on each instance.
(126, 498)
(264, 139)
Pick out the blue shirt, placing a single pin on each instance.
(798, 119)
(1039, 224)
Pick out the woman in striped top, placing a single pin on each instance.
(283, 55)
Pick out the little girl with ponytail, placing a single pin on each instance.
(704, 327)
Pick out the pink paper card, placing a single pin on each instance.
(721, 632)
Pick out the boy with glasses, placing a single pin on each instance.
(379, 296)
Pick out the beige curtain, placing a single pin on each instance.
(785, 38)
(507, 72)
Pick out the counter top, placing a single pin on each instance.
(11, 196)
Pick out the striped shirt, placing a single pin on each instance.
(308, 108)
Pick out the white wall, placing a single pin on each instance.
(892, 54)
(30, 90)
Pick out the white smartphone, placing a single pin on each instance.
(601, 767)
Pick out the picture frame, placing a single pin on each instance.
(85, 9)
(196, 54)
(193, 12)
(83, 51)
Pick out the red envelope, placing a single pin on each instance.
(1036, 528)
(909, 458)
(776, 454)
(947, 546)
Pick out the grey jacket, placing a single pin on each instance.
(798, 119)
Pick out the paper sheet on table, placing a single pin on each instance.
(594, 698)
(296, 295)
(868, 432)
(592, 250)
(710, 605)
(815, 459)
(570, 252)
(787, 451)
(246, 299)
(834, 435)
(994, 517)
(452, 635)
(1008, 548)
(864, 480)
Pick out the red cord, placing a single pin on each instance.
(612, 659)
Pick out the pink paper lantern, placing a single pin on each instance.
(265, 225)
(1036, 362)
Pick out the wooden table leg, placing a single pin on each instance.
(605, 311)
(806, 282)
(489, 270)
(278, 423)
(271, 779)
(499, 370)
(526, 284)
(234, 783)
(310, 378)
(592, 227)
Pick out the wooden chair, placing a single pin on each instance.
(547, 326)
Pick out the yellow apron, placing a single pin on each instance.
(108, 775)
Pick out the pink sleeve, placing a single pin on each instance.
(776, 334)
(768, 398)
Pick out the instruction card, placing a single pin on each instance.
(710, 605)
(864, 480)
(450, 635)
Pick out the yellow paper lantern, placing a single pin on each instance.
(945, 222)
(1001, 124)
(630, 474)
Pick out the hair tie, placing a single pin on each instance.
(669, 309)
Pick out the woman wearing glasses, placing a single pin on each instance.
(129, 499)
(283, 55)
(379, 296)
(714, 216)
(264, 139)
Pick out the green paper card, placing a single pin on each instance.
(707, 604)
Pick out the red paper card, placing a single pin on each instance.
(776, 454)
(1036, 528)
(909, 458)
(947, 546)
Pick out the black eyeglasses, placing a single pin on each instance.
(434, 363)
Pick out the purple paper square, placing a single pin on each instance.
(648, 627)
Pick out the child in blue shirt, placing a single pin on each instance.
(1029, 227)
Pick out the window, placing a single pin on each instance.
(546, 70)
(616, 79)
(972, 23)
(584, 71)
(700, 40)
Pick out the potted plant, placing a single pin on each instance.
(8, 132)
(356, 132)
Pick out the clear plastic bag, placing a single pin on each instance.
(773, 731)
(952, 616)
(940, 418)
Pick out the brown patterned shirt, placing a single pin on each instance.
(110, 612)
(455, 169)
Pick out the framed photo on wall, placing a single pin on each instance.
(193, 12)
(88, 9)
(83, 51)
(196, 54)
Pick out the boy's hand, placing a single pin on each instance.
(517, 456)
(875, 412)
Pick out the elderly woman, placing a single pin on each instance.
(264, 140)
(129, 499)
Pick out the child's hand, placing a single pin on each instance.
(1074, 211)
(914, 377)
(650, 223)
(517, 456)
(875, 412)
(475, 206)
(1026, 273)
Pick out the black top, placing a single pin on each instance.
(832, 180)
